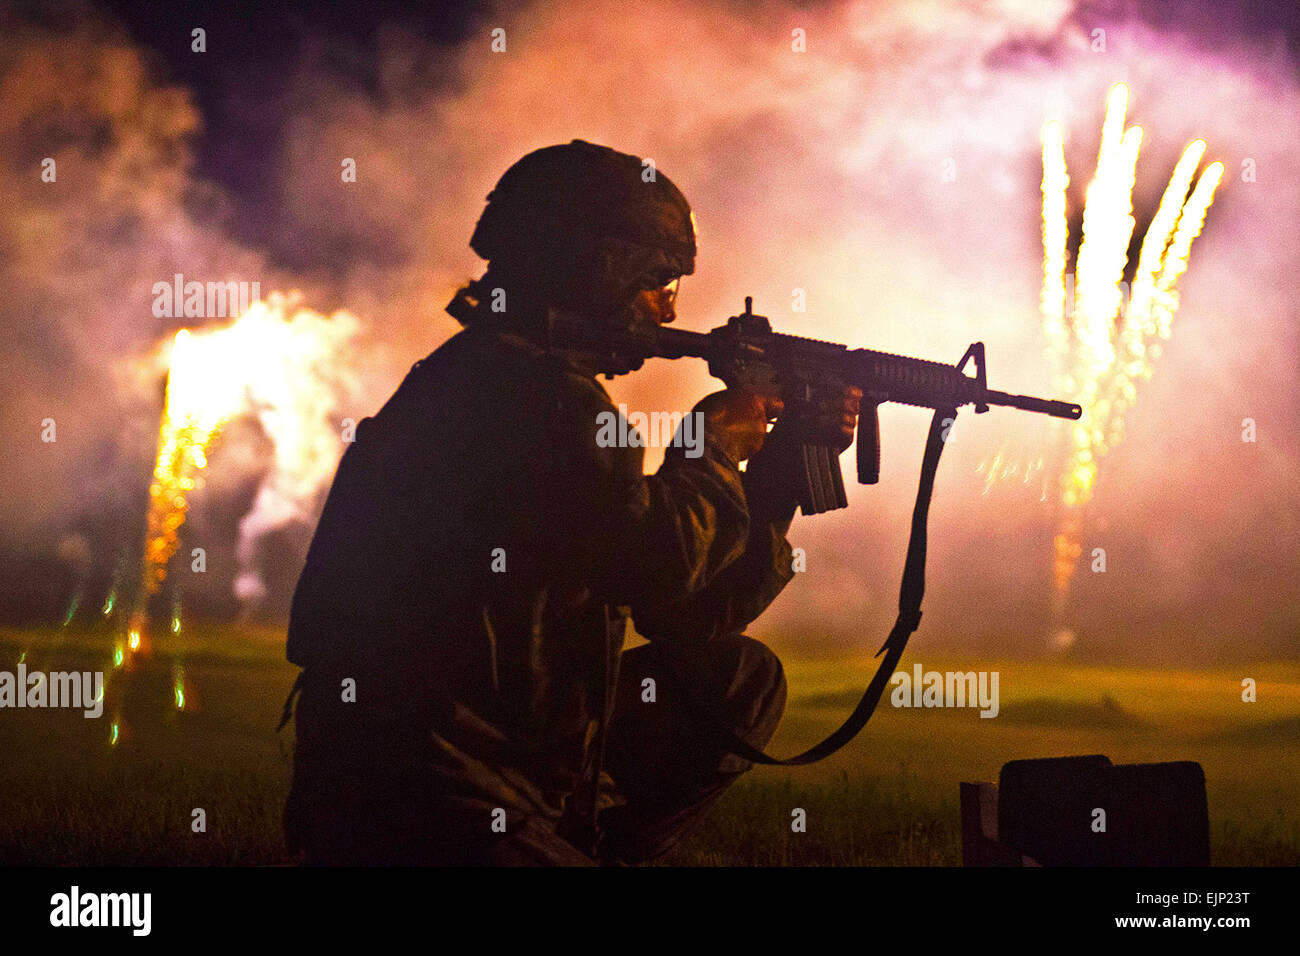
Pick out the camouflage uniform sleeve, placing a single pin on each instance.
(732, 600)
(677, 547)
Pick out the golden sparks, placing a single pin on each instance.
(1103, 348)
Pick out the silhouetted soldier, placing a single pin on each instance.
(480, 552)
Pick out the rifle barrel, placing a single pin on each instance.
(1044, 406)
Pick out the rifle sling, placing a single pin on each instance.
(909, 617)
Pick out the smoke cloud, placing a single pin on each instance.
(888, 172)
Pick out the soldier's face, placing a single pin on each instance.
(657, 306)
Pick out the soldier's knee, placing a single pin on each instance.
(757, 694)
(734, 676)
(760, 668)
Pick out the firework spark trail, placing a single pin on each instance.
(1003, 465)
(196, 405)
(1107, 218)
(1189, 227)
(1111, 349)
(1107, 228)
(1138, 327)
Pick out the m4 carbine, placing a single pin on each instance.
(746, 351)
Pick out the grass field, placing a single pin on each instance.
(70, 796)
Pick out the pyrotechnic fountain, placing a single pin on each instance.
(283, 365)
(1104, 346)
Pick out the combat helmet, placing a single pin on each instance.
(588, 226)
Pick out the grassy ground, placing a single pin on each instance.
(891, 797)
(68, 795)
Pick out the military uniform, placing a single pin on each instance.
(476, 544)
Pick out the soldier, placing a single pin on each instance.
(463, 606)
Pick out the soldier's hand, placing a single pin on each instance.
(738, 418)
(773, 476)
(837, 417)
(829, 419)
